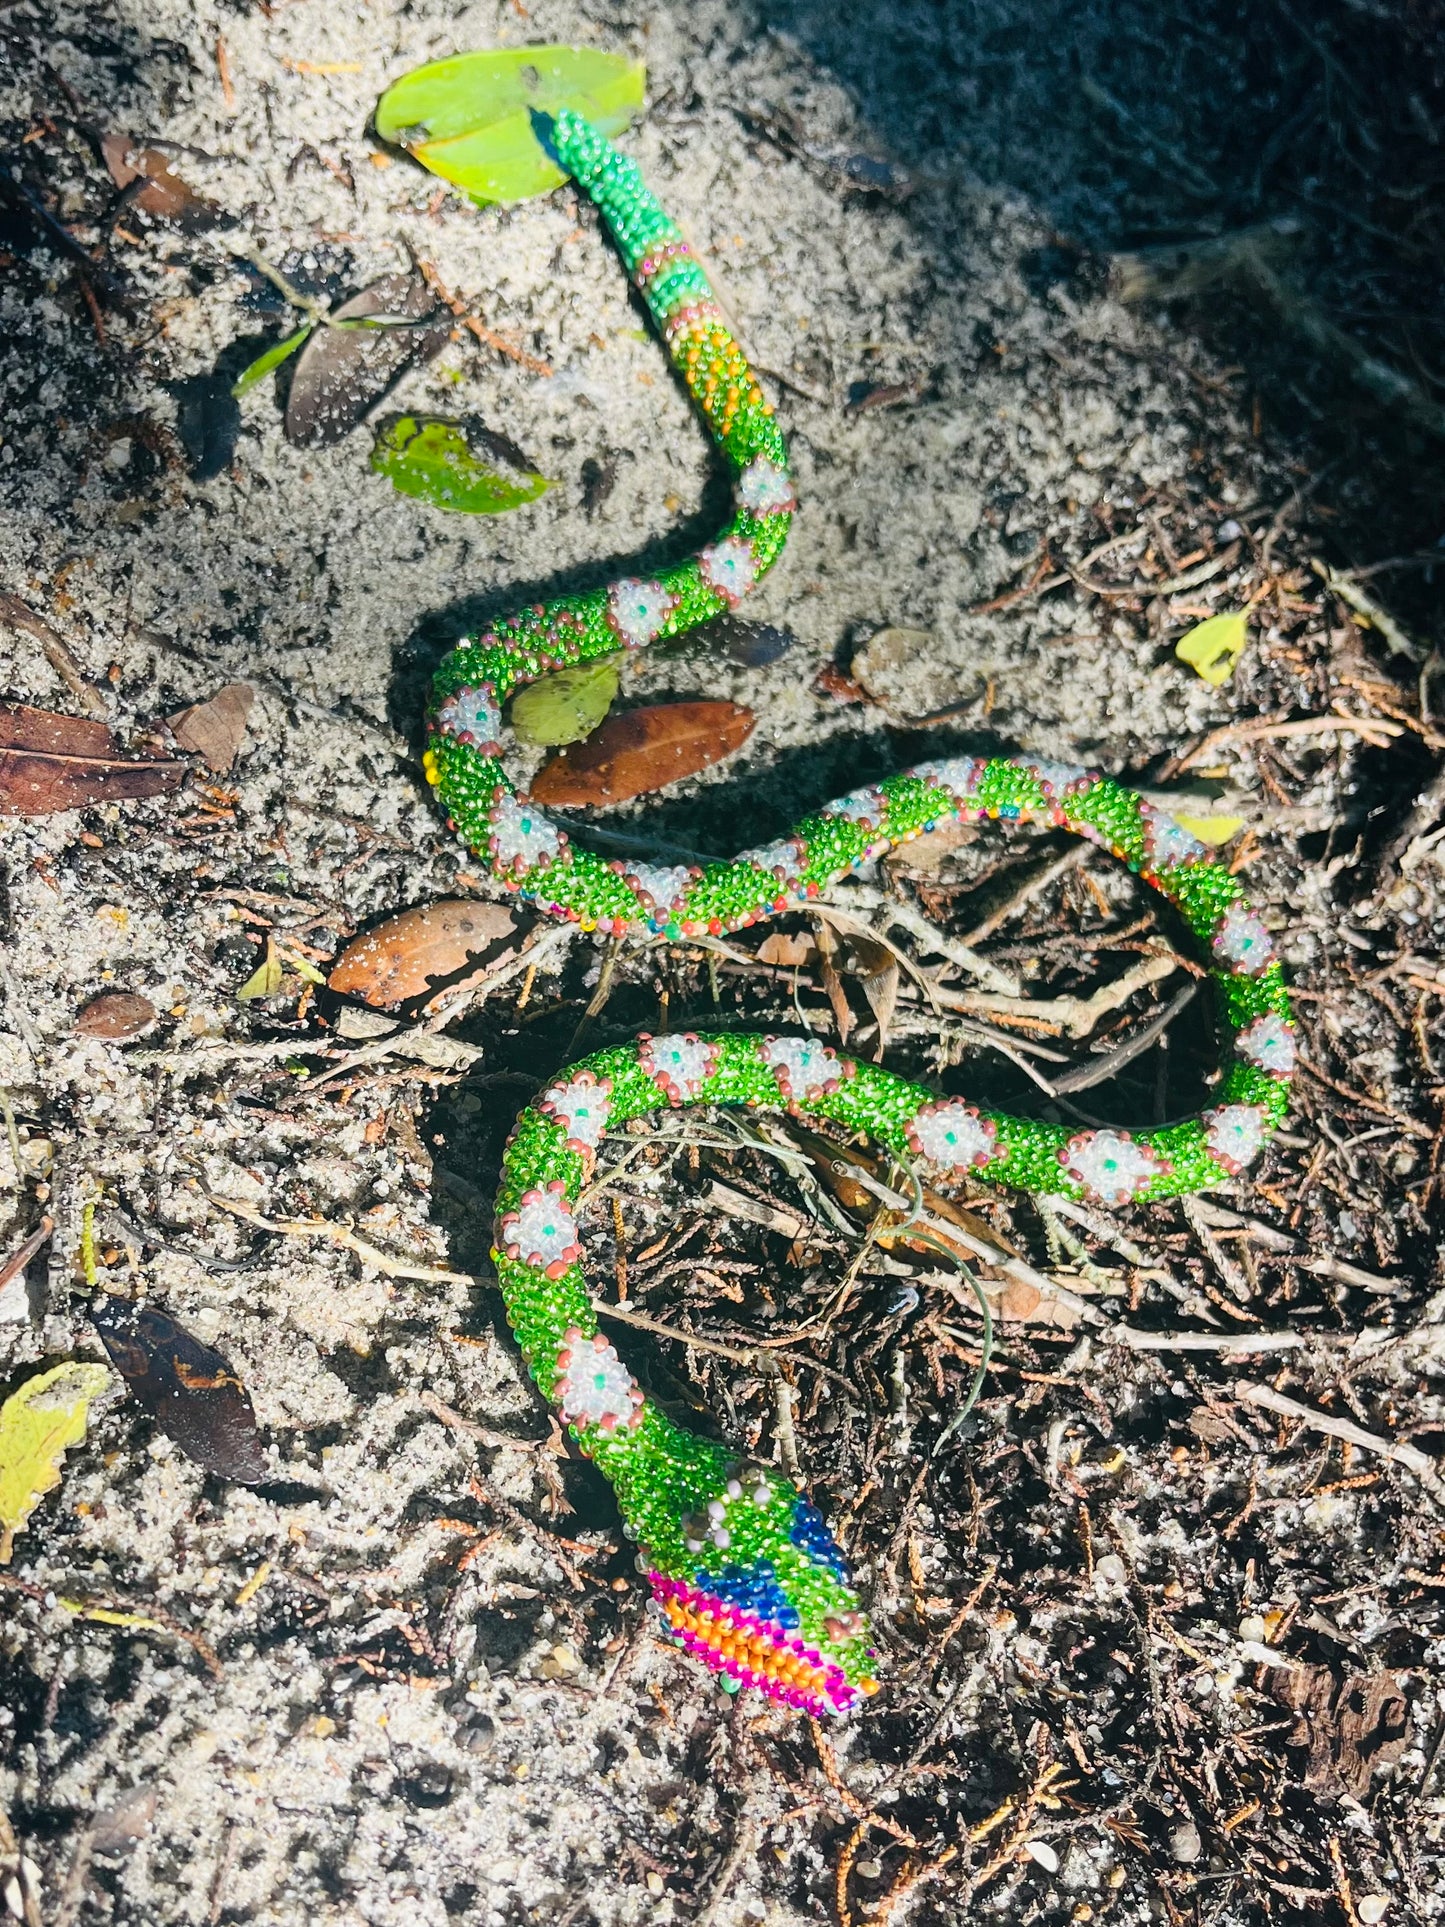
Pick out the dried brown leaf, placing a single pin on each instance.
(342, 373)
(786, 951)
(163, 195)
(187, 1387)
(643, 750)
(115, 1015)
(215, 729)
(1346, 1726)
(50, 762)
(435, 947)
(829, 957)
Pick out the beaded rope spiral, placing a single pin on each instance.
(744, 1572)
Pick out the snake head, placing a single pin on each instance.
(761, 1595)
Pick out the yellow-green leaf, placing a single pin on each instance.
(266, 979)
(1213, 830)
(435, 461)
(469, 118)
(565, 707)
(278, 352)
(107, 1616)
(303, 967)
(37, 1423)
(1212, 648)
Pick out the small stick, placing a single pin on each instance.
(21, 616)
(1030, 887)
(18, 1260)
(907, 918)
(1347, 587)
(1375, 730)
(1085, 1076)
(984, 1248)
(1226, 1342)
(1420, 1463)
(487, 336)
(469, 1429)
(343, 1235)
(223, 68)
(1077, 1016)
(1229, 1271)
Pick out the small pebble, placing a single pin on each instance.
(1043, 1853)
(1371, 1907)
(655, 1886)
(1185, 1844)
(1229, 531)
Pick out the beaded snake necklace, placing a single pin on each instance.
(744, 1572)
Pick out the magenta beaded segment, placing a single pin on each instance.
(744, 1571)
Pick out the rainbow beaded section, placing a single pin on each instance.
(755, 1650)
(745, 1573)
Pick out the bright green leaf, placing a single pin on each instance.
(37, 1423)
(565, 707)
(1214, 647)
(434, 461)
(265, 980)
(278, 352)
(469, 118)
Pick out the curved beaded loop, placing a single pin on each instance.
(744, 1572)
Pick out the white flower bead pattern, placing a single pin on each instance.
(1242, 941)
(1167, 844)
(864, 807)
(803, 1067)
(1057, 780)
(522, 836)
(783, 860)
(638, 610)
(952, 1135)
(1236, 1134)
(595, 1388)
(957, 774)
(662, 886)
(679, 1063)
(766, 488)
(472, 716)
(1269, 1043)
(581, 1107)
(1111, 1165)
(729, 567)
(542, 1232)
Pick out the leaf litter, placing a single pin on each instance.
(188, 1387)
(454, 465)
(51, 762)
(38, 1424)
(343, 371)
(641, 750)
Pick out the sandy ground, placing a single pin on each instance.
(388, 1742)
